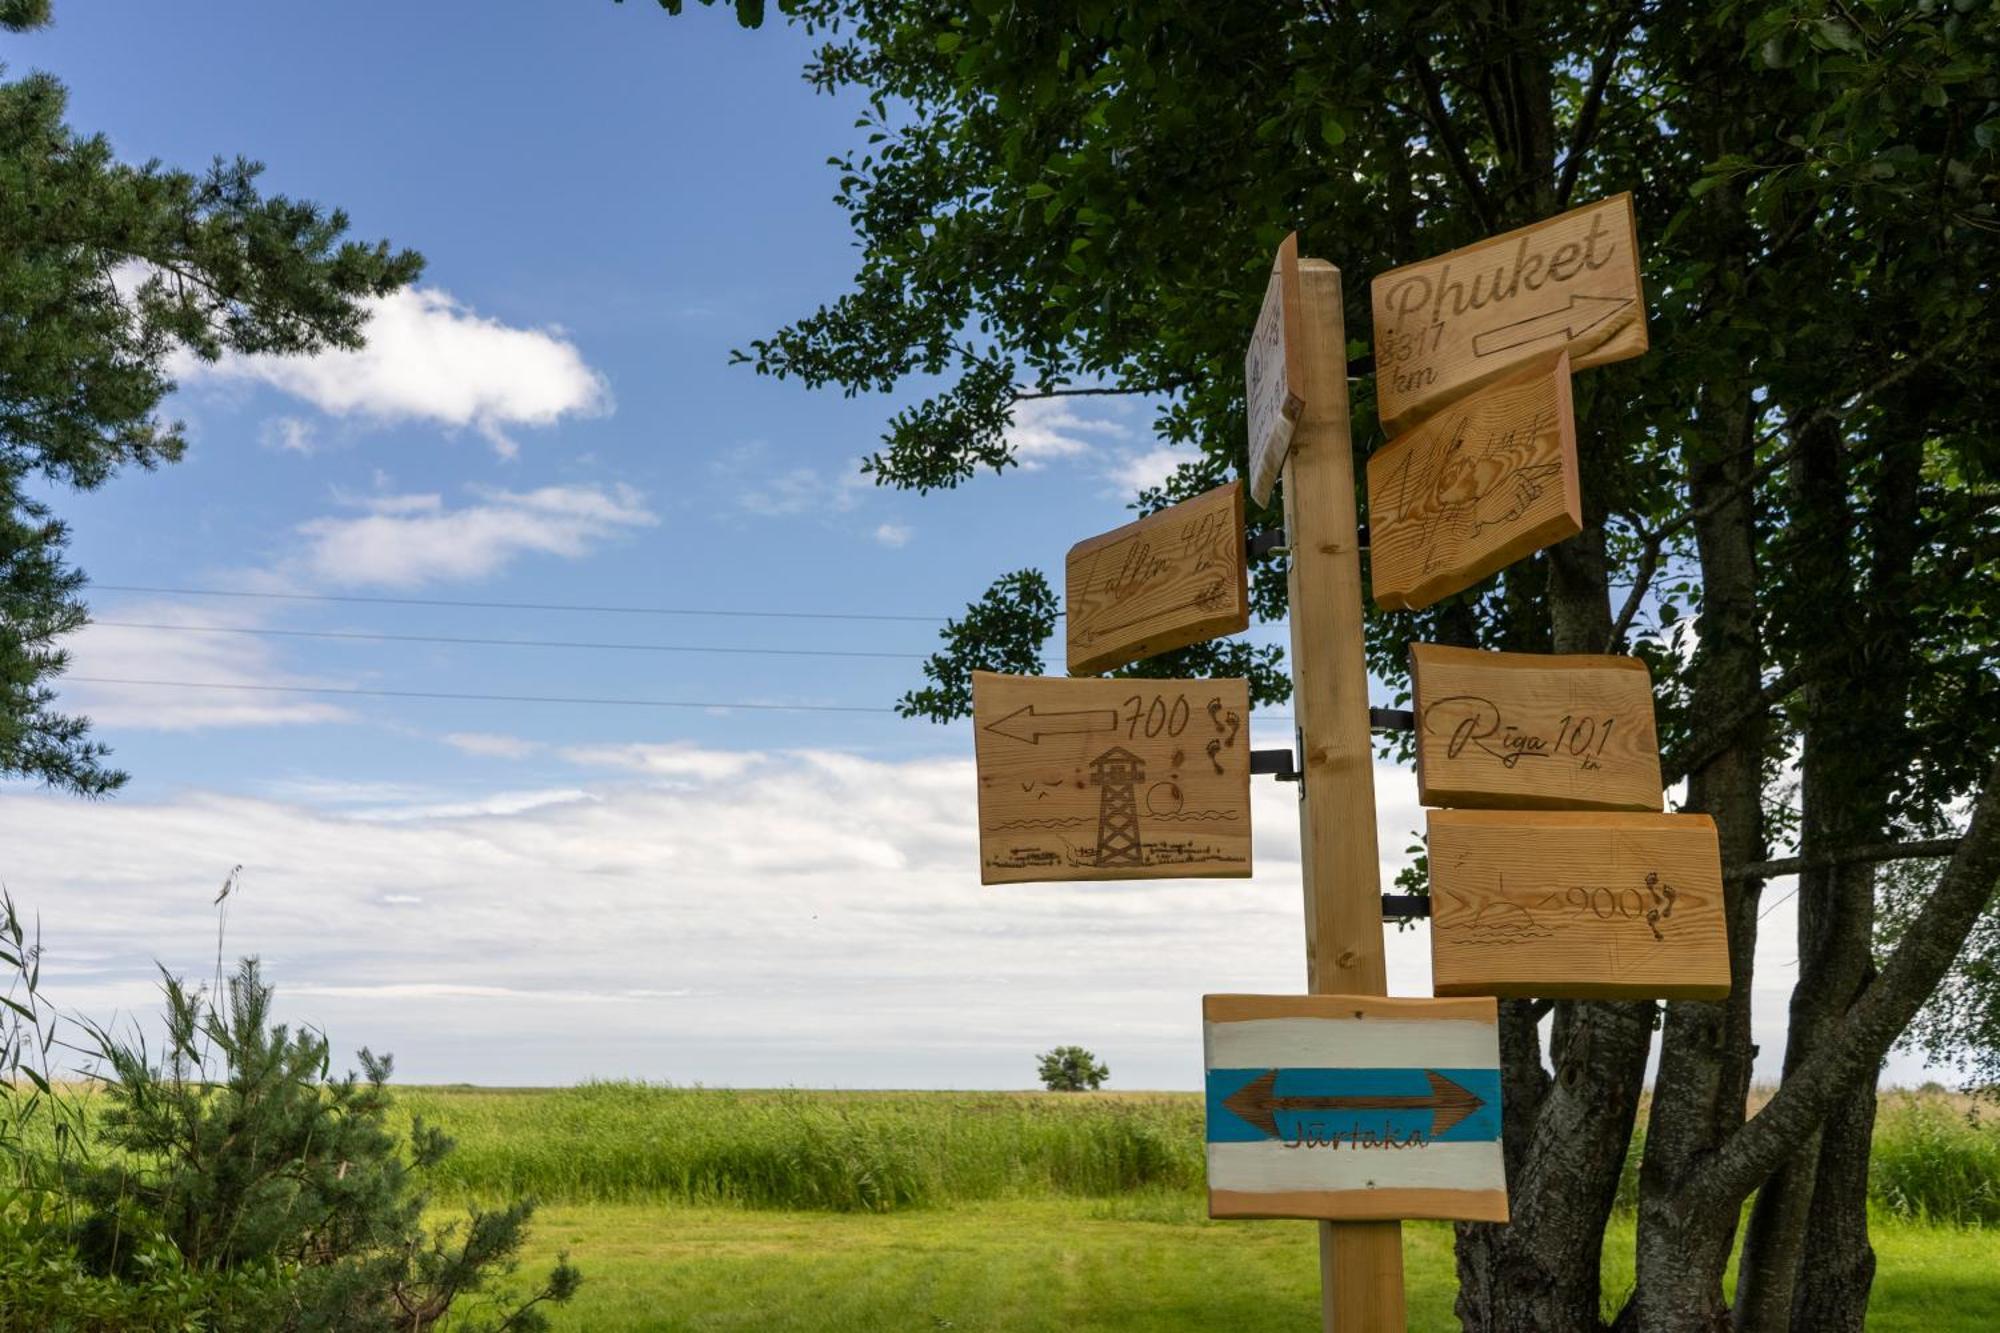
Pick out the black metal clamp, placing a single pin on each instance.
(1278, 763)
(1405, 906)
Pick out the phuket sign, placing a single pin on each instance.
(1353, 1108)
(1111, 779)
(1489, 479)
(1576, 905)
(1530, 731)
(1570, 282)
(1274, 372)
(1173, 578)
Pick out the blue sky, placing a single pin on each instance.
(609, 201)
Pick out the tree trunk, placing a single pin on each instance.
(1837, 1269)
(1706, 1052)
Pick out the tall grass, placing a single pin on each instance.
(814, 1150)
(1936, 1159)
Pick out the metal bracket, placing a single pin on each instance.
(1392, 719)
(1361, 536)
(1278, 763)
(1404, 906)
(1267, 542)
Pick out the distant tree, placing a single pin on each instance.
(106, 271)
(1072, 1069)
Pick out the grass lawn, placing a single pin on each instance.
(1143, 1262)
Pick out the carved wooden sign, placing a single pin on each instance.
(1173, 578)
(1562, 905)
(1529, 731)
(1111, 779)
(1462, 319)
(1353, 1108)
(1273, 376)
(1489, 479)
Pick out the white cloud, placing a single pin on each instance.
(288, 435)
(1141, 471)
(490, 745)
(673, 760)
(403, 541)
(1046, 428)
(894, 534)
(113, 653)
(782, 918)
(431, 358)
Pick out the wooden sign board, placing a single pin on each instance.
(1578, 906)
(1273, 376)
(1489, 479)
(1530, 731)
(1353, 1108)
(1463, 319)
(1173, 578)
(1111, 779)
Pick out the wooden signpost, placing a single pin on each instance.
(1353, 1107)
(1111, 779)
(1575, 905)
(1529, 731)
(1486, 480)
(1173, 578)
(1460, 320)
(1274, 372)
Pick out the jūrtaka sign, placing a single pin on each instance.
(1353, 1108)
(1173, 578)
(1488, 479)
(1532, 731)
(1111, 779)
(1560, 904)
(1449, 324)
(1273, 372)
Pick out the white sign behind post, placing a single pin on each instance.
(1274, 378)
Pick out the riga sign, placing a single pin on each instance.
(1173, 578)
(1529, 731)
(1111, 779)
(1581, 906)
(1489, 479)
(1570, 282)
(1273, 372)
(1353, 1108)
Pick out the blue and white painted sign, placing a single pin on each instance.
(1353, 1108)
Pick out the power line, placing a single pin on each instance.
(519, 606)
(509, 698)
(485, 698)
(507, 643)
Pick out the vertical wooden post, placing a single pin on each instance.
(1361, 1263)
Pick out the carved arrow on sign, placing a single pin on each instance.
(1257, 1103)
(1582, 314)
(1025, 724)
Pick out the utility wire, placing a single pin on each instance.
(510, 698)
(507, 643)
(517, 606)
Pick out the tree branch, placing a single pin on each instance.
(1869, 853)
(1642, 580)
(1585, 129)
(1439, 120)
(1703, 746)
(1870, 1026)
(1096, 393)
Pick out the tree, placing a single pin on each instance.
(1084, 199)
(1071, 1069)
(106, 271)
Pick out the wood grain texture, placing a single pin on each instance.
(1274, 374)
(1248, 1008)
(1576, 905)
(1361, 1206)
(1465, 318)
(1489, 479)
(1361, 1265)
(1173, 578)
(1111, 779)
(1533, 731)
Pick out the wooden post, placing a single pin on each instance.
(1361, 1263)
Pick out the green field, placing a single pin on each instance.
(706, 1209)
